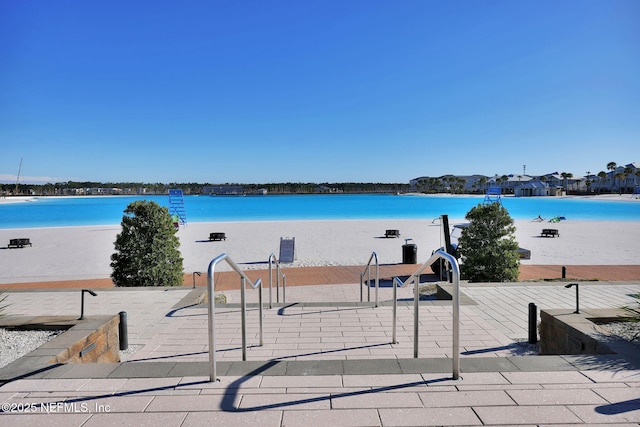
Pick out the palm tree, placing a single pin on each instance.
(462, 182)
(602, 175)
(499, 182)
(611, 166)
(620, 176)
(503, 178)
(483, 183)
(564, 176)
(628, 171)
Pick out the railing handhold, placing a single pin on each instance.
(367, 271)
(415, 279)
(273, 260)
(211, 309)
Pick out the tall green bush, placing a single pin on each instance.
(147, 249)
(487, 247)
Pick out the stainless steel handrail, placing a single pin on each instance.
(272, 260)
(415, 278)
(367, 271)
(211, 311)
(396, 284)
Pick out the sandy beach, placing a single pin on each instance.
(71, 253)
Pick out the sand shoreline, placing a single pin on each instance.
(83, 252)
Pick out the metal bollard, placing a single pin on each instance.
(564, 272)
(123, 331)
(533, 323)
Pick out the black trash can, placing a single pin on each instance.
(409, 253)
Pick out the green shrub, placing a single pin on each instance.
(147, 248)
(487, 247)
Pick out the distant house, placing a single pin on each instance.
(536, 188)
(627, 184)
(508, 186)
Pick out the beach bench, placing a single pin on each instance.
(19, 243)
(217, 236)
(392, 233)
(549, 232)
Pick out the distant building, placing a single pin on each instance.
(624, 179)
(614, 183)
(99, 191)
(536, 188)
(223, 190)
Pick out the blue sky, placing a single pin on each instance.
(315, 91)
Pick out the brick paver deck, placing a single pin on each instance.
(300, 276)
(285, 384)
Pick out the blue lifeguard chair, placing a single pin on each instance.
(492, 196)
(176, 208)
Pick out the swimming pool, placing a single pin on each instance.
(108, 210)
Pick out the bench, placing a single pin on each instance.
(19, 243)
(217, 236)
(392, 233)
(549, 232)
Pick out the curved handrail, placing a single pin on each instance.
(415, 278)
(271, 261)
(367, 270)
(211, 309)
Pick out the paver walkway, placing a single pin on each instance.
(329, 363)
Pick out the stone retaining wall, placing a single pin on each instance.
(566, 332)
(93, 339)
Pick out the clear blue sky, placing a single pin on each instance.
(315, 90)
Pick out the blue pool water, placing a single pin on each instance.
(108, 210)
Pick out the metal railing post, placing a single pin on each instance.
(270, 279)
(415, 278)
(272, 260)
(260, 313)
(278, 282)
(284, 289)
(243, 318)
(455, 268)
(367, 270)
(211, 321)
(211, 310)
(377, 280)
(416, 316)
(395, 309)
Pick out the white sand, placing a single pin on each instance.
(84, 252)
